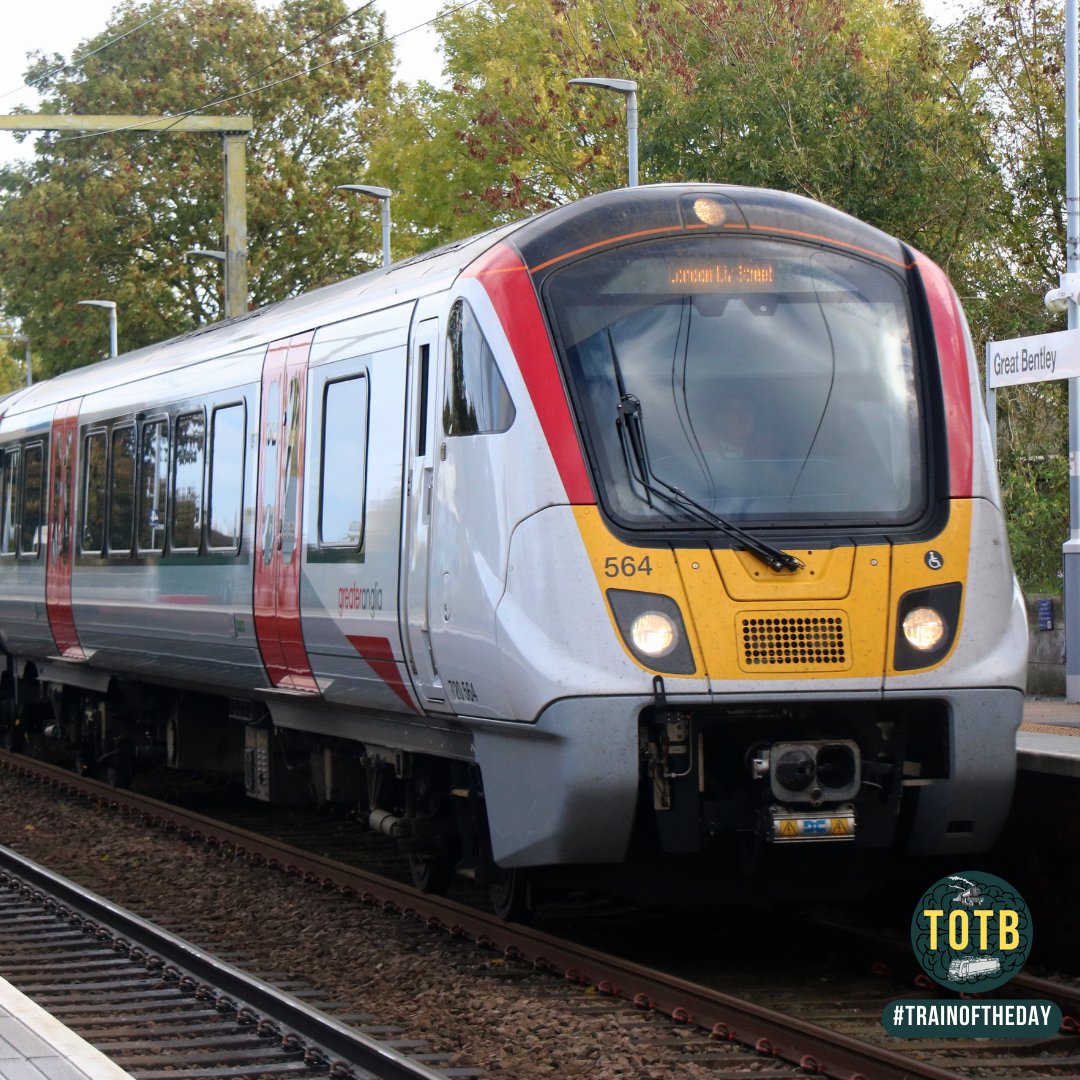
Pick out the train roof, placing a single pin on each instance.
(377, 289)
(544, 241)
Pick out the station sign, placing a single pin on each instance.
(1039, 358)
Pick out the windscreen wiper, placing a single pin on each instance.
(636, 453)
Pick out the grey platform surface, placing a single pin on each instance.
(1049, 738)
(37, 1046)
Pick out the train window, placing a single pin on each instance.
(422, 419)
(153, 485)
(9, 510)
(33, 477)
(95, 460)
(188, 481)
(772, 381)
(122, 490)
(226, 496)
(477, 401)
(344, 463)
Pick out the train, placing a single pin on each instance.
(653, 540)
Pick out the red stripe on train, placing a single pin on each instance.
(378, 654)
(955, 373)
(508, 284)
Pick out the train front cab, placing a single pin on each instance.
(821, 635)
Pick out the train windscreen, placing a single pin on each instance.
(766, 380)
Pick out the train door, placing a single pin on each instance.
(475, 474)
(279, 514)
(61, 534)
(416, 584)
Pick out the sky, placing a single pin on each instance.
(59, 26)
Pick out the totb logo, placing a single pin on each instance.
(971, 931)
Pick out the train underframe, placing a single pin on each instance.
(728, 800)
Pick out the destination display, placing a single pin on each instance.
(736, 274)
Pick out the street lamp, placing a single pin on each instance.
(628, 88)
(383, 195)
(221, 257)
(206, 253)
(23, 338)
(111, 307)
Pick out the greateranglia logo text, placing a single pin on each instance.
(971, 932)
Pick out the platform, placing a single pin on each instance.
(37, 1046)
(1049, 738)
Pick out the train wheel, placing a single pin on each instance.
(513, 897)
(431, 873)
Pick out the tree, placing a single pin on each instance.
(111, 217)
(1009, 62)
(841, 100)
(12, 361)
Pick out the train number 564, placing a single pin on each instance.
(627, 566)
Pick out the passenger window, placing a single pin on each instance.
(94, 476)
(9, 510)
(344, 463)
(188, 481)
(153, 485)
(33, 475)
(477, 401)
(226, 497)
(122, 490)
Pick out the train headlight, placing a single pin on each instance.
(710, 211)
(924, 629)
(652, 628)
(926, 624)
(654, 634)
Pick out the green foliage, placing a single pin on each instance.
(1009, 65)
(846, 101)
(12, 361)
(111, 217)
(1036, 492)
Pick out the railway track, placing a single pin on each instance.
(770, 1032)
(163, 1009)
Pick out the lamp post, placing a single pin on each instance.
(26, 363)
(628, 88)
(111, 307)
(383, 195)
(221, 257)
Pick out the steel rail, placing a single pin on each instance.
(814, 1048)
(336, 1046)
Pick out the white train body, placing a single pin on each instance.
(377, 542)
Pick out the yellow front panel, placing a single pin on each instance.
(846, 590)
(638, 569)
(834, 617)
(933, 562)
